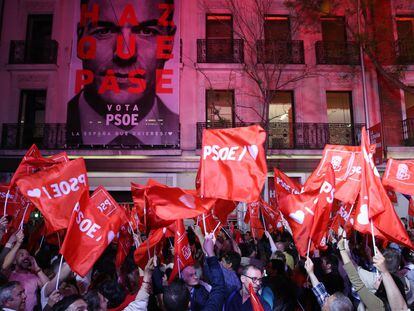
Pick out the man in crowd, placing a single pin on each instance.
(240, 300)
(177, 297)
(12, 296)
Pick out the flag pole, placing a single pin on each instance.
(24, 215)
(204, 224)
(5, 203)
(263, 219)
(309, 245)
(58, 274)
(373, 238)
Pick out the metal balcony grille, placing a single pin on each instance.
(280, 52)
(220, 51)
(337, 53)
(33, 52)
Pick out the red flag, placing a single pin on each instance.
(375, 203)
(323, 208)
(256, 226)
(284, 185)
(392, 195)
(346, 162)
(399, 176)
(33, 162)
(55, 190)
(172, 203)
(212, 223)
(371, 186)
(125, 241)
(18, 208)
(182, 250)
(233, 164)
(149, 247)
(222, 209)
(145, 211)
(344, 217)
(272, 219)
(138, 198)
(24, 167)
(254, 300)
(93, 226)
(299, 210)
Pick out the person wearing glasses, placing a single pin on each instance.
(240, 300)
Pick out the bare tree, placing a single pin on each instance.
(265, 60)
(382, 54)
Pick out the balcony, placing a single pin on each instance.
(284, 135)
(220, 51)
(408, 131)
(337, 53)
(405, 52)
(33, 52)
(56, 136)
(280, 52)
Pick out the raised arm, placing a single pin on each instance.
(141, 300)
(395, 299)
(216, 298)
(318, 288)
(9, 259)
(371, 301)
(51, 285)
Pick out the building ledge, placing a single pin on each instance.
(400, 153)
(31, 67)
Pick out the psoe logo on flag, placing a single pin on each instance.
(235, 153)
(186, 251)
(336, 162)
(402, 173)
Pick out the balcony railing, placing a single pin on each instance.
(33, 52)
(337, 53)
(405, 52)
(284, 135)
(280, 52)
(57, 136)
(220, 51)
(408, 131)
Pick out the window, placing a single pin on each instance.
(409, 105)
(281, 120)
(32, 117)
(340, 121)
(405, 28)
(339, 107)
(333, 29)
(219, 108)
(38, 37)
(219, 35)
(277, 28)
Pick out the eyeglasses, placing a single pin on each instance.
(254, 279)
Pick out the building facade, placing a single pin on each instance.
(296, 71)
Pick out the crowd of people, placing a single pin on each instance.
(350, 275)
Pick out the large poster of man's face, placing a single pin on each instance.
(125, 91)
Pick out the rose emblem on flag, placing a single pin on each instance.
(186, 251)
(402, 173)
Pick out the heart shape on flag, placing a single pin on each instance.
(363, 215)
(298, 216)
(111, 236)
(188, 200)
(253, 150)
(34, 193)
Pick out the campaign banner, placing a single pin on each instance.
(124, 81)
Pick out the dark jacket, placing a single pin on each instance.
(215, 299)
